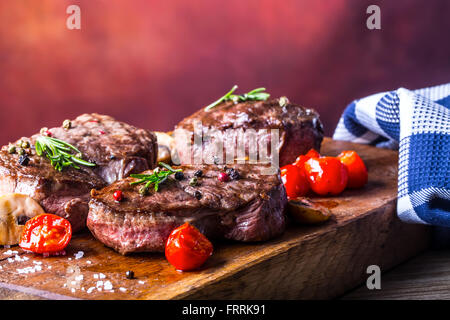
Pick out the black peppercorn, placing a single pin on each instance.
(197, 195)
(198, 173)
(233, 174)
(24, 160)
(112, 157)
(179, 175)
(130, 274)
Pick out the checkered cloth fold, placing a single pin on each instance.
(417, 122)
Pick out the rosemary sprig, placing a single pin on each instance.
(257, 94)
(157, 177)
(60, 153)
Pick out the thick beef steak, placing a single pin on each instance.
(299, 130)
(116, 148)
(249, 208)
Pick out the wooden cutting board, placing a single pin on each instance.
(305, 263)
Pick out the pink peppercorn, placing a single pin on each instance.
(223, 177)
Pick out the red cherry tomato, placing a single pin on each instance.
(357, 171)
(46, 233)
(295, 181)
(187, 248)
(300, 161)
(326, 175)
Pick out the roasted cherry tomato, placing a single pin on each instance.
(326, 175)
(46, 233)
(294, 180)
(187, 248)
(357, 171)
(300, 161)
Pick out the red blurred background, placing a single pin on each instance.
(151, 63)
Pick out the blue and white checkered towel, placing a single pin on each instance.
(416, 122)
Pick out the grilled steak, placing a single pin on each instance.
(116, 148)
(250, 208)
(299, 130)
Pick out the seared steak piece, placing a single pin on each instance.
(250, 208)
(299, 130)
(116, 148)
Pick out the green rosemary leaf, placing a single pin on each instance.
(168, 167)
(222, 99)
(156, 177)
(257, 94)
(59, 153)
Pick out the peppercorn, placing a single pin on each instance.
(19, 143)
(283, 101)
(143, 191)
(21, 152)
(233, 173)
(67, 124)
(197, 195)
(222, 176)
(130, 274)
(179, 175)
(12, 149)
(112, 157)
(25, 144)
(24, 160)
(118, 195)
(198, 173)
(193, 182)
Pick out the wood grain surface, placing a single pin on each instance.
(307, 262)
(425, 277)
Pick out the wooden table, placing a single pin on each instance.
(424, 277)
(306, 262)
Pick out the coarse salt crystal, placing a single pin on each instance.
(73, 289)
(108, 285)
(141, 282)
(102, 276)
(79, 277)
(99, 283)
(95, 276)
(37, 262)
(90, 289)
(29, 269)
(79, 255)
(10, 260)
(88, 262)
(122, 289)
